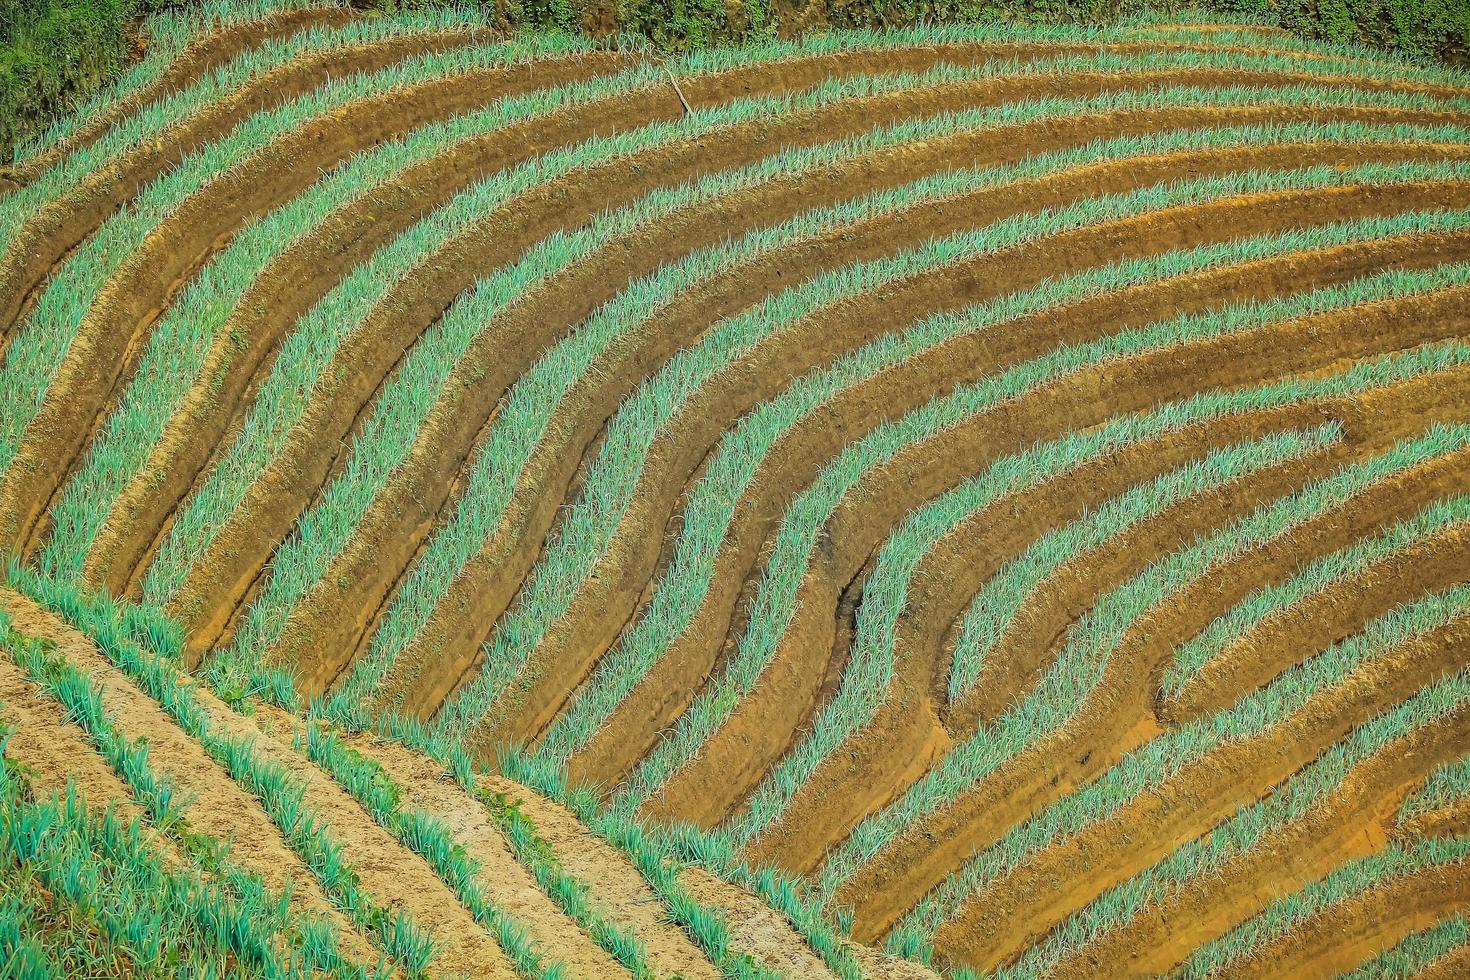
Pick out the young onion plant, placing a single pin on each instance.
(1209, 856)
(1161, 759)
(532, 402)
(1083, 662)
(589, 524)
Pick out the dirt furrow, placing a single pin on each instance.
(1256, 656)
(112, 334)
(1343, 936)
(1013, 912)
(851, 324)
(916, 721)
(1116, 716)
(565, 202)
(219, 808)
(58, 227)
(1351, 823)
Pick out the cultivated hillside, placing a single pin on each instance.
(998, 494)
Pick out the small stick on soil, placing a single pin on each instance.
(678, 91)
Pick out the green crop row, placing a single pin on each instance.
(257, 915)
(427, 836)
(105, 886)
(1213, 642)
(135, 429)
(46, 84)
(37, 352)
(1161, 759)
(502, 457)
(421, 382)
(1416, 951)
(280, 794)
(1084, 659)
(677, 595)
(1447, 785)
(1397, 860)
(865, 681)
(56, 54)
(589, 524)
(1207, 856)
(61, 179)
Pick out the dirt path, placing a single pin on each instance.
(52, 751)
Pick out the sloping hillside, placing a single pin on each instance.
(1000, 495)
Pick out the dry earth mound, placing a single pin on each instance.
(1012, 484)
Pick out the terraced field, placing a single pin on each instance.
(991, 500)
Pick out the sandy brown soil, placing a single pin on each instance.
(1351, 823)
(1115, 717)
(218, 808)
(333, 625)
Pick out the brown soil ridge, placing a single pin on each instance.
(425, 785)
(1344, 935)
(213, 626)
(412, 307)
(281, 293)
(1453, 965)
(874, 766)
(535, 323)
(1116, 717)
(908, 733)
(615, 889)
(487, 585)
(44, 240)
(199, 57)
(1019, 909)
(218, 808)
(64, 223)
(113, 333)
(765, 724)
(1351, 823)
(1253, 658)
(1071, 250)
(1451, 820)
